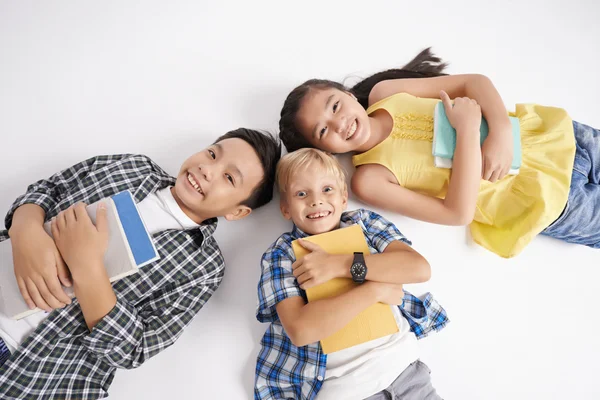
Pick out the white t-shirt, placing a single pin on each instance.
(364, 370)
(159, 212)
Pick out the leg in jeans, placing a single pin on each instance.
(580, 221)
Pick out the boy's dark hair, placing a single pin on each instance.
(268, 149)
(424, 65)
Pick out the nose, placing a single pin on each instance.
(340, 124)
(206, 171)
(316, 201)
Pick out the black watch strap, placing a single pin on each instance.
(358, 269)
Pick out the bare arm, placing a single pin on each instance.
(376, 185)
(497, 150)
(94, 293)
(307, 323)
(475, 86)
(38, 265)
(83, 246)
(398, 264)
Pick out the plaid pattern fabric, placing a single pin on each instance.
(284, 371)
(4, 353)
(61, 358)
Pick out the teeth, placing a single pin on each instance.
(194, 183)
(352, 130)
(318, 215)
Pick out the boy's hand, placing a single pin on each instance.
(81, 244)
(389, 293)
(316, 267)
(39, 268)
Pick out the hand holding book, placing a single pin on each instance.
(375, 321)
(38, 266)
(497, 152)
(96, 255)
(81, 244)
(318, 266)
(464, 115)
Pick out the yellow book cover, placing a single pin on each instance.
(374, 322)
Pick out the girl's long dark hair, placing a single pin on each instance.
(424, 65)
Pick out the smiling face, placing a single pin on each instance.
(216, 181)
(314, 200)
(333, 120)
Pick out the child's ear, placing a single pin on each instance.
(284, 207)
(352, 95)
(345, 199)
(238, 213)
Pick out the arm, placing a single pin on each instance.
(47, 193)
(307, 323)
(497, 149)
(376, 185)
(83, 246)
(397, 264)
(128, 335)
(95, 294)
(124, 335)
(475, 86)
(39, 267)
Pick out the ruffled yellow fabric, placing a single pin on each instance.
(510, 212)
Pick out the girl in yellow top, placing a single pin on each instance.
(557, 190)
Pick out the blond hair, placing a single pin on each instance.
(299, 160)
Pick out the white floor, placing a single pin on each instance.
(84, 78)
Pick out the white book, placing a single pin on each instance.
(130, 247)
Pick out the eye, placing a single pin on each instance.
(229, 178)
(301, 194)
(322, 132)
(327, 189)
(212, 154)
(336, 106)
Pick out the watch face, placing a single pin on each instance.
(358, 270)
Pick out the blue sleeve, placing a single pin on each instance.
(380, 232)
(277, 283)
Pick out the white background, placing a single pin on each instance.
(79, 79)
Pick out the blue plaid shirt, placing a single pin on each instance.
(284, 371)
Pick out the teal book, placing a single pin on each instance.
(444, 139)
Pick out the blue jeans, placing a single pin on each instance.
(580, 221)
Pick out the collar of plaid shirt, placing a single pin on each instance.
(61, 358)
(286, 371)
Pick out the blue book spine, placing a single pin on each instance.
(139, 241)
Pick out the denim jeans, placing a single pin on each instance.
(580, 221)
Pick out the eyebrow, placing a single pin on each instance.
(326, 108)
(236, 170)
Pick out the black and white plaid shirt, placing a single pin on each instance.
(62, 358)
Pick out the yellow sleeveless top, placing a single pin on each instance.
(509, 212)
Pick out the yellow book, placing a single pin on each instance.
(374, 322)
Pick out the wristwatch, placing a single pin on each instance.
(358, 270)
